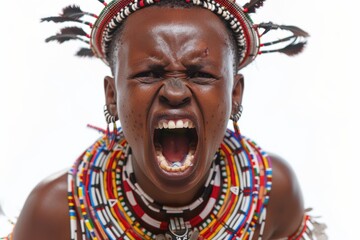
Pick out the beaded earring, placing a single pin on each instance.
(235, 118)
(111, 135)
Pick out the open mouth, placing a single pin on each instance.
(175, 144)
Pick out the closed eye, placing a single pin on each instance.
(148, 74)
(152, 74)
(196, 73)
(200, 74)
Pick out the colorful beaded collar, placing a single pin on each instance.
(111, 205)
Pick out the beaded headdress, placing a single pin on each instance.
(247, 34)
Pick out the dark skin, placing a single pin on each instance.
(182, 71)
(174, 74)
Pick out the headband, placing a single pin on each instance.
(247, 35)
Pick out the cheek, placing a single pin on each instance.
(131, 122)
(217, 118)
(131, 114)
(217, 108)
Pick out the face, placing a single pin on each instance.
(173, 87)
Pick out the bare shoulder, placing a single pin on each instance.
(285, 209)
(45, 212)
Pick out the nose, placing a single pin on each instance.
(174, 93)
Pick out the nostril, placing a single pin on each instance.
(175, 102)
(185, 100)
(163, 99)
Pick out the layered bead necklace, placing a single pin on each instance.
(106, 200)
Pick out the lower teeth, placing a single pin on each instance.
(175, 166)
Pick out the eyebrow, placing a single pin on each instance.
(153, 60)
(198, 61)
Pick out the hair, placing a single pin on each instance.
(114, 45)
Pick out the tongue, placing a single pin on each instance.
(175, 147)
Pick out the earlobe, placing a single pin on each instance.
(110, 95)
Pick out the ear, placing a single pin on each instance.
(237, 93)
(110, 95)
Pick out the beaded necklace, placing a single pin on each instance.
(104, 196)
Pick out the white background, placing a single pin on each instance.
(304, 108)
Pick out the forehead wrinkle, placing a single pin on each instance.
(173, 43)
(187, 49)
(163, 47)
(169, 36)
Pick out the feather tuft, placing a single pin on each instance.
(73, 31)
(297, 39)
(61, 38)
(56, 19)
(64, 37)
(295, 30)
(253, 5)
(75, 12)
(293, 49)
(72, 11)
(85, 52)
(60, 19)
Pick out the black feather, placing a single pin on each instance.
(296, 42)
(290, 50)
(56, 19)
(253, 5)
(293, 49)
(73, 11)
(60, 19)
(73, 31)
(61, 38)
(295, 30)
(64, 37)
(85, 52)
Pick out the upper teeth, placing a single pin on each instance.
(172, 124)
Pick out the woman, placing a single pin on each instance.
(173, 170)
